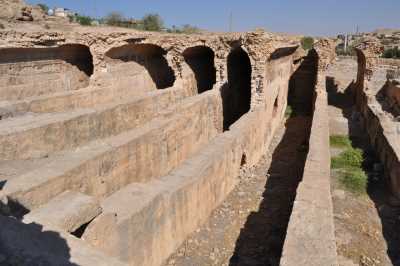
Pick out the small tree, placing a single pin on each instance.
(391, 53)
(84, 20)
(307, 43)
(44, 7)
(153, 22)
(189, 29)
(114, 19)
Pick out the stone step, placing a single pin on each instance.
(13, 80)
(139, 155)
(41, 87)
(33, 67)
(21, 80)
(39, 135)
(160, 214)
(69, 100)
(68, 211)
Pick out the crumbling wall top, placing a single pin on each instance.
(325, 49)
(370, 49)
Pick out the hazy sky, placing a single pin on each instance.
(314, 17)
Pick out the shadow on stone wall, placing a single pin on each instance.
(261, 240)
(302, 84)
(201, 60)
(151, 57)
(236, 94)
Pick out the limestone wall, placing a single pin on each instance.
(135, 156)
(27, 72)
(158, 161)
(379, 124)
(48, 133)
(383, 135)
(310, 238)
(174, 205)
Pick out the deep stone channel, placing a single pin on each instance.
(249, 228)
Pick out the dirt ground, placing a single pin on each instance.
(366, 226)
(249, 228)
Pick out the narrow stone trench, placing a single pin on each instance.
(366, 225)
(249, 228)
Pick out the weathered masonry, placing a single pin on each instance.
(114, 150)
(115, 147)
(376, 95)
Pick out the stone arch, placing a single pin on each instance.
(362, 66)
(302, 84)
(236, 94)
(147, 58)
(28, 72)
(201, 61)
(77, 55)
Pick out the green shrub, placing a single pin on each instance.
(153, 22)
(114, 19)
(307, 43)
(392, 53)
(185, 29)
(354, 180)
(84, 20)
(44, 7)
(288, 111)
(349, 165)
(350, 158)
(340, 141)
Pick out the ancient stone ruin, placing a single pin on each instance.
(116, 146)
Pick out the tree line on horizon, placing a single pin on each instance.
(149, 22)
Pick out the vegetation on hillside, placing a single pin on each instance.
(114, 19)
(149, 22)
(152, 22)
(349, 52)
(44, 7)
(392, 53)
(83, 20)
(185, 29)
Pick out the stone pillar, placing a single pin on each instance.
(368, 52)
